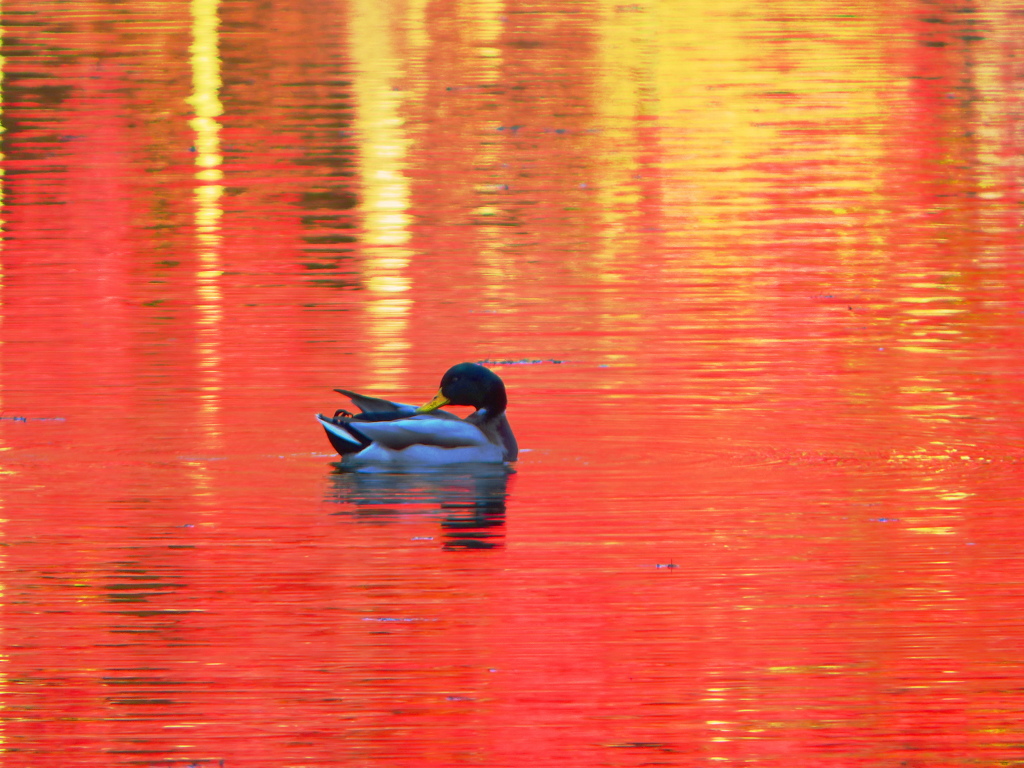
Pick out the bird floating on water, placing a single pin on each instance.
(388, 434)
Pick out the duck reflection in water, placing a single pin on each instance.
(471, 500)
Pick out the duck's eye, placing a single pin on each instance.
(454, 379)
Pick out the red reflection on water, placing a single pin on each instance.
(761, 325)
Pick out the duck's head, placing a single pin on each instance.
(470, 384)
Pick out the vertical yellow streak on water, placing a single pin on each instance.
(484, 20)
(384, 204)
(623, 79)
(624, 52)
(417, 42)
(995, 122)
(205, 101)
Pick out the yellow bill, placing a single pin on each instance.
(434, 404)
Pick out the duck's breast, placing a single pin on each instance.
(426, 456)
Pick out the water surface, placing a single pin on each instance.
(750, 271)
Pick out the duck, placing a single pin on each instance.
(397, 435)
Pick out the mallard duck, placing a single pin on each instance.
(395, 434)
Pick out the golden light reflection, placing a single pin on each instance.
(997, 140)
(384, 205)
(483, 20)
(627, 108)
(700, 116)
(938, 490)
(206, 105)
(627, 183)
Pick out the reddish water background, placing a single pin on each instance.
(751, 271)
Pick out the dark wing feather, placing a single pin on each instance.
(368, 404)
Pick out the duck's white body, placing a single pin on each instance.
(429, 441)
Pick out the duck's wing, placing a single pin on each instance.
(368, 404)
(422, 430)
(343, 440)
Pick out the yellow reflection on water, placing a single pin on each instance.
(713, 118)
(375, 31)
(628, 106)
(714, 98)
(995, 128)
(206, 105)
(483, 20)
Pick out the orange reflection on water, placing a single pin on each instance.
(750, 272)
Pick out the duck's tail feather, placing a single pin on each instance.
(344, 438)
